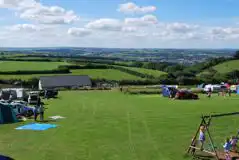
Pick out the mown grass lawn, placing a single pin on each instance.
(26, 66)
(108, 125)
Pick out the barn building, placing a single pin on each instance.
(64, 81)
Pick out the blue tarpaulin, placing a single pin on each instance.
(37, 127)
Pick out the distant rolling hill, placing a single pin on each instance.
(225, 67)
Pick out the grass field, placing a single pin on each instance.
(98, 127)
(227, 66)
(16, 66)
(109, 74)
(151, 72)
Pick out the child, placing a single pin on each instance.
(227, 146)
(209, 93)
(202, 136)
(233, 142)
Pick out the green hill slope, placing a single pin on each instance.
(154, 73)
(225, 67)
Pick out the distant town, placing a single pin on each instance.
(180, 56)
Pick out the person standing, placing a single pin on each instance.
(41, 111)
(36, 109)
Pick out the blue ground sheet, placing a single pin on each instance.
(37, 127)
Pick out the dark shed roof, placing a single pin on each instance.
(65, 81)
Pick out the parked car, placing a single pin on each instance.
(21, 109)
(33, 97)
(184, 94)
(50, 93)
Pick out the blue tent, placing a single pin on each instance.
(169, 90)
(166, 92)
(238, 89)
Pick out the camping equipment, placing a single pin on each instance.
(37, 127)
(184, 94)
(169, 91)
(21, 109)
(7, 115)
(212, 149)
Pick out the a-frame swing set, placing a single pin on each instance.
(206, 120)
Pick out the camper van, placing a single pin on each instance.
(33, 97)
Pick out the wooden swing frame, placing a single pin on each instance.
(206, 121)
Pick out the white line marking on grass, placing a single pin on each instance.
(150, 136)
(131, 143)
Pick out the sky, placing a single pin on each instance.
(120, 23)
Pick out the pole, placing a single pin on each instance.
(195, 136)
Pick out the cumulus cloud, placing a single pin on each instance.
(17, 4)
(224, 33)
(105, 24)
(181, 27)
(49, 15)
(79, 32)
(143, 21)
(129, 29)
(35, 11)
(25, 28)
(132, 8)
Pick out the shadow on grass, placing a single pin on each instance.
(45, 121)
(6, 158)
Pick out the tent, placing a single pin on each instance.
(238, 89)
(7, 114)
(168, 90)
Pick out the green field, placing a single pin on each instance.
(109, 74)
(98, 127)
(26, 66)
(227, 66)
(151, 72)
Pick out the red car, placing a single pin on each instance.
(186, 95)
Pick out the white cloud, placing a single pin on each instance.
(181, 27)
(34, 11)
(49, 15)
(129, 29)
(143, 21)
(224, 33)
(79, 32)
(105, 24)
(132, 8)
(24, 27)
(17, 4)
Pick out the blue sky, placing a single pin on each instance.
(120, 23)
